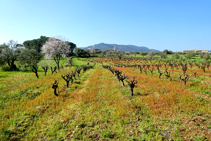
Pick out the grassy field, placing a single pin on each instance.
(97, 107)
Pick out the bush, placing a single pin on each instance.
(7, 68)
(190, 55)
(176, 56)
(206, 56)
(168, 51)
(81, 52)
(163, 55)
(202, 55)
(143, 53)
(151, 54)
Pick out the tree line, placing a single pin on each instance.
(32, 51)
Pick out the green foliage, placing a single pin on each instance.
(199, 138)
(9, 54)
(81, 125)
(5, 134)
(2, 46)
(7, 68)
(97, 107)
(1, 59)
(163, 55)
(128, 53)
(103, 53)
(201, 55)
(29, 58)
(135, 53)
(98, 51)
(120, 54)
(168, 51)
(206, 56)
(143, 53)
(81, 52)
(107, 134)
(200, 98)
(109, 53)
(190, 55)
(72, 47)
(35, 44)
(151, 54)
(176, 56)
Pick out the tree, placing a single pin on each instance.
(163, 55)
(168, 51)
(134, 53)
(128, 53)
(35, 44)
(2, 46)
(176, 56)
(206, 56)
(103, 53)
(120, 54)
(1, 59)
(30, 58)
(109, 53)
(38, 43)
(98, 51)
(151, 54)
(71, 48)
(92, 51)
(202, 55)
(143, 53)
(56, 49)
(190, 55)
(9, 54)
(81, 52)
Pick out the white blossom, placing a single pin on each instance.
(55, 48)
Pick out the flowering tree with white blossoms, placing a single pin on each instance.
(55, 48)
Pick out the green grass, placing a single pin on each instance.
(97, 107)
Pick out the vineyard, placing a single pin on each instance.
(108, 99)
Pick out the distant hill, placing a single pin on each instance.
(126, 48)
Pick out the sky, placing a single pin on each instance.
(157, 24)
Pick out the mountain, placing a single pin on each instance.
(126, 48)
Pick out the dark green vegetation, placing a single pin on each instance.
(37, 44)
(81, 52)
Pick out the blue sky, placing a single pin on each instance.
(157, 24)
